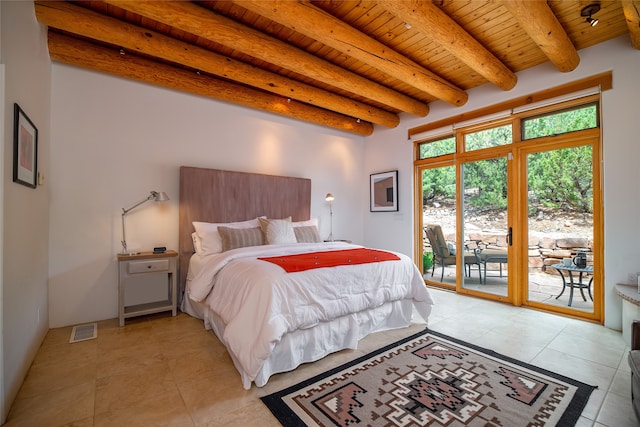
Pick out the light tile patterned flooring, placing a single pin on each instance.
(166, 371)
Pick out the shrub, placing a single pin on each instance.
(427, 261)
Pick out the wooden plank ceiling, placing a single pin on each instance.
(342, 64)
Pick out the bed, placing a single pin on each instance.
(240, 232)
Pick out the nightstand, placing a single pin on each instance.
(147, 269)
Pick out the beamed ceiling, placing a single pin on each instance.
(343, 64)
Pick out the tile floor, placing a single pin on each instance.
(166, 371)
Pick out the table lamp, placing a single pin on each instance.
(156, 197)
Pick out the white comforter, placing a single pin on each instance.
(259, 302)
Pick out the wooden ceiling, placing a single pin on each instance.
(342, 64)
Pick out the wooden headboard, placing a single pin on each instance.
(212, 195)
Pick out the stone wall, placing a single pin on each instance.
(543, 249)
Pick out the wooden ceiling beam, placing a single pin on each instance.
(430, 20)
(73, 19)
(631, 9)
(537, 19)
(216, 28)
(305, 18)
(84, 54)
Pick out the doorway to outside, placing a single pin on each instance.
(510, 210)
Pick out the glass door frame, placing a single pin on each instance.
(586, 137)
(489, 154)
(447, 161)
(457, 161)
(517, 184)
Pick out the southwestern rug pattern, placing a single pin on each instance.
(430, 379)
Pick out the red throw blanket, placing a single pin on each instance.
(307, 261)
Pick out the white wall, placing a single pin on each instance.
(389, 149)
(114, 140)
(25, 210)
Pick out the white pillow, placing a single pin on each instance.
(308, 223)
(197, 243)
(277, 231)
(210, 239)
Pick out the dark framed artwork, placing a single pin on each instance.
(384, 191)
(25, 149)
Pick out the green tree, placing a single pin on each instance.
(438, 183)
(562, 178)
(557, 123)
(489, 178)
(559, 178)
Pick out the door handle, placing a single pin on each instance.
(510, 237)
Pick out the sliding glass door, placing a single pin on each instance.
(511, 209)
(561, 228)
(438, 222)
(467, 251)
(486, 226)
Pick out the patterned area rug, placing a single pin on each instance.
(429, 379)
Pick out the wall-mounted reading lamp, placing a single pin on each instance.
(587, 11)
(156, 197)
(329, 198)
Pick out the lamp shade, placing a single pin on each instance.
(160, 196)
(329, 197)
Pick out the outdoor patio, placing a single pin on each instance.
(543, 287)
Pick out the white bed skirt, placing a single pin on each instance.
(309, 345)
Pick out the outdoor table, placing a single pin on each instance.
(572, 284)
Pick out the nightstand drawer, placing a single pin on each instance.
(147, 284)
(148, 266)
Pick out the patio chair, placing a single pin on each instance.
(443, 255)
(490, 256)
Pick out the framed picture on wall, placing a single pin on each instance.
(25, 149)
(384, 191)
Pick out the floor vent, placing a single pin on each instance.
(84, 332)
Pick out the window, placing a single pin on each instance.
(505, 186)
(487, 138)
(438, 147)
(559, 122)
